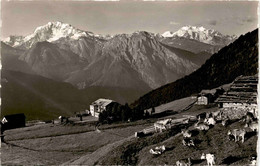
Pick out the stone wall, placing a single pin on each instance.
(237, 110)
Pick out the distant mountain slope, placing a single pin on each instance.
(10, 59)
(238, 58)
(38, 97)
(48, 60)
(191, 45)
(137, 61)
(198, 58)
(44, 99)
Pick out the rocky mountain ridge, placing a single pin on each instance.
(201, 34)
(140, 60)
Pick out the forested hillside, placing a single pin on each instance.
(238, 58)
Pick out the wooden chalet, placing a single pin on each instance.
(13, 121)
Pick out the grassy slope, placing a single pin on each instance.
(176, 105)
(128, 152)
(238, 58)
(50, 144)
(214, 141)
(51, 130)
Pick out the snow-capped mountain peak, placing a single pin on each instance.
(201, 34)
(167, 34)
(13, 40)
(50, 32)
(56, 30)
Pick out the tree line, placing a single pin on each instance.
(116, 112)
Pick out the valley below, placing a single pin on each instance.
(55, 144)
(110, 144)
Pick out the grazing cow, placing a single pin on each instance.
(209, 157)
(201, 126)
(186, 133)
(158, 150)
(188, 142)
(253, 126)
(237, 133)
(162, 125)
(155, 152)
(183, 162)
(210, 121)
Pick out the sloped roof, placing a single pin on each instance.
(102, 102)
(242, 90)
(206, 91)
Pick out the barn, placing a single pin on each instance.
(13, 121)
(205, 97)
(202, 100)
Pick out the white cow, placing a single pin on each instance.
(209, 157)
(154, 152)
(158, 150)
(210, 121)
(201, 126)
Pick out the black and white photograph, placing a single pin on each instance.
(112, 82)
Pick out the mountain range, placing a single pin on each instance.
(238, 58)
(122, 67)
(197, 39)
(208, 36)
(140, 60)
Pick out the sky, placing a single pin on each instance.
(228, 17)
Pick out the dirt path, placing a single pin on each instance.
(93, 158)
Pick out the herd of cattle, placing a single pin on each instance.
(206, 121)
